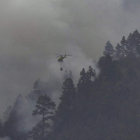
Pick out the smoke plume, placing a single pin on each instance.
(33, 31)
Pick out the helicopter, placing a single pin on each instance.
(61, 57)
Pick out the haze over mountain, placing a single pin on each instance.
(32, 31)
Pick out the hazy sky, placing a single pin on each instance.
(32, 31)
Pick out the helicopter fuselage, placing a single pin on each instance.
(60, 59)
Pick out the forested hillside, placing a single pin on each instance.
(106, 107)
(99, 107)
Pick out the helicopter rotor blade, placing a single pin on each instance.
(57, 54)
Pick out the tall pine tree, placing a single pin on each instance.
(66, 105)
(123, 47)
(108, 49)
(44, 107)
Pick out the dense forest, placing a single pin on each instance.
(99, 107)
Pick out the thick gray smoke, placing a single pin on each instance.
(32, 31)
(24, 109)
(73, 63)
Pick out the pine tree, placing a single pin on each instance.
(129, 44)
(85, 81)
(136, 42)
(107, 67)
(82, 82)
(133, 43)
(91, 74)
(10, 126)
(108, 49)
(123, 46)
(35, 134)
(84, 88)
(37, 84)
(118, 50)
(66, 105)
(44, 107)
